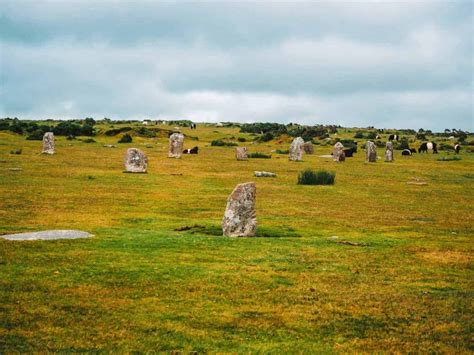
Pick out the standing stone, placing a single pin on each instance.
(240, 218)
(338, 152)
(135, 161)
(241, 153)
(308, 148)
(370, 152)
(296, 149)
(176, 145)
(48, 143)
(389, 152)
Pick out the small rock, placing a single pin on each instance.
(48, 235)
(240, 217)
(48, 143)
(176, 143)
(296, 149)
(241, 153)
(135, 161)
(264, 174)
(370, 152)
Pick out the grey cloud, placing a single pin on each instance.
(397, 64)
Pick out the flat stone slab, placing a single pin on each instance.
(48, 235)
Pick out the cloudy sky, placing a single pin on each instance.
(387, 64)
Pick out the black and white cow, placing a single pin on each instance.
(191, 151)
(424, 147)
(457, 148)
(394, 137)
(406, 152)
(349, 152)
(193, 126)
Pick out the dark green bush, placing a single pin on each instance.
(89, 140)
(266, 137)
(115, 131)
(282, 151)
(126, 138)
(242, 139)
(260, 155)
(145, 132)
(320, 177)
(359, 135)
(221, 143)
(35, 135)
(15, 151)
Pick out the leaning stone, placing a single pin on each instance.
(48, 235)
(135, 161)
(296, 149)
(389, 152)
(48, 143)
(264, 174)
(240, 217)
(370, 152)
(308, 148)
(338, 152)
(241, 153)
(176, 145)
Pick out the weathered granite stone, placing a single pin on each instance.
(308, 148)
(48, 235)
(135, 161)
(338, 152)
(240, 218)
(389, 152)
(264, 174)
(241, 153)
(296, 149)
(370, 152)
(48, 143)
(176, 145)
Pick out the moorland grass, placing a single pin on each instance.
(146, 282)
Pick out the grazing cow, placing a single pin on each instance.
(193, 126)
(350, 151)
(406, 152)
(457, 148)
(394, 137)
(191, 151)
(424, 147)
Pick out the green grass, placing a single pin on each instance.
(159, 276)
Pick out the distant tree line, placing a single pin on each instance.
(269, 131)
(36, 131)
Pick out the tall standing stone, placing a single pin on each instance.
(338, 152)
(240, 217)
(48, 143)
(370, 152)
(241, 153)
(176, 145)
(296, 149)
(135, 161)
(308, 148)
(389, 152)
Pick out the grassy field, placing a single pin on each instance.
(403, 283)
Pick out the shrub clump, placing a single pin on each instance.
(320, 177)
(259, 155)
(221, 143)
(89, 140)
(126, 138)
(15, 151)
(282, 151)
